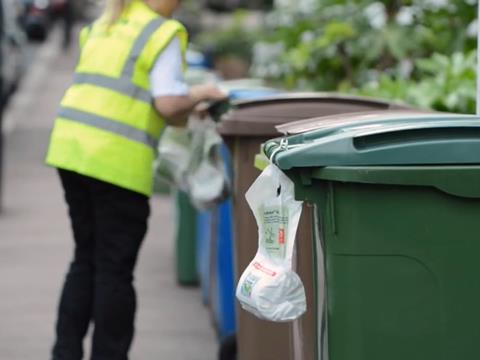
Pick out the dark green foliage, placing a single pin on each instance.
(374, 47)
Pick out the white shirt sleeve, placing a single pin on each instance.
(166, 76)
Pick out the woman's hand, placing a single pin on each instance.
(206, 92)
(176, 109)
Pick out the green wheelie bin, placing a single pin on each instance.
(397, 214)
(185, 235)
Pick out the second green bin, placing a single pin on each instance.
(398, 208)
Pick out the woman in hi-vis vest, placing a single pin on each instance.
(128, 83)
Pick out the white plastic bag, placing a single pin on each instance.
(173, 156)
(269, 288)
(190, 159)
(206, 176)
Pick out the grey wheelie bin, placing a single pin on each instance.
(397, 203)
(244, 128)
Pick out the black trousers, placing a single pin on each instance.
(109, 224)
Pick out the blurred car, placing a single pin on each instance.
(35, 18)
(57, 7)
(12, 49)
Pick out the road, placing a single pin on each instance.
(35, 240)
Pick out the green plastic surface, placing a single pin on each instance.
(429, 139)
(186, 222)
(261, 162)
(402, 263)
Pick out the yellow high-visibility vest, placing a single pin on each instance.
(107, 127)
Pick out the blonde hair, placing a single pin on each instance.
(115, 9)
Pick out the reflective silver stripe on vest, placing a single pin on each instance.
(139, 45)
(123, 86)
(112, 126)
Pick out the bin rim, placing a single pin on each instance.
(314, 96)
(259, 116)
(315, 123)
(426, 140)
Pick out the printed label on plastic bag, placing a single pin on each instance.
(269, 288)
(247, 286)
(275, 227)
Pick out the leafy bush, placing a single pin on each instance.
(232, 41)
(447, 83)
(373, 46)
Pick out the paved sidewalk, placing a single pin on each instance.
(35, 241)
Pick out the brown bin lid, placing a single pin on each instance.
(260, 117)
(316, 123)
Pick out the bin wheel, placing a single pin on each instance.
(228, 348)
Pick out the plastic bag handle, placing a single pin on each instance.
(282, 146)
